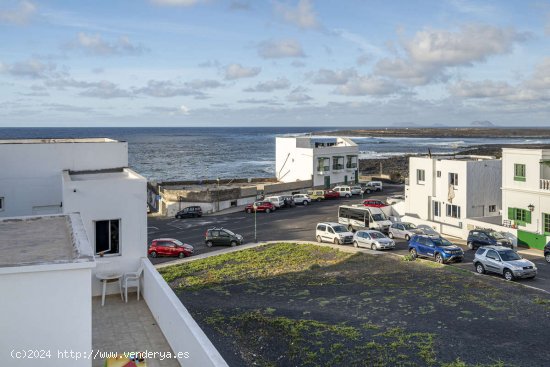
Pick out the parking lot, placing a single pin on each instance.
(296, 223)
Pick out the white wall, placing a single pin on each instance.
(116, 198)
(484, 183)
(50, 310)
(293, 163)
(30, 172)
(178, 326)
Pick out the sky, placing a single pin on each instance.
(274, 63)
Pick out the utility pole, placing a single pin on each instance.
(218, 193)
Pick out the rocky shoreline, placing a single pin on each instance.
(459, 132)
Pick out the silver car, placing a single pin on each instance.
(504, 261)
(372, 239)
(356, 190)
(404, 230)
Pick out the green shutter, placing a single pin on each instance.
(511, 214)
(528, 216)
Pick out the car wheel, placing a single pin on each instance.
(413, 253)
(233, 243)
(508, 275)
(407, 237)
(181, 255)
(390, 235)
(319, 239)
(337, 241)
(471, 245)
(209, 243)
(178, 217)
(367, 191)
(347, 196)
(479, 268)
(373, 247)
(547, 257)
(153, 254)
(268, 210)
(305, 202)
(439, 259)
(355, 244)
(249, 211)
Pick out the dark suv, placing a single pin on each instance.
(189, 212)
(289, 201)
(222, 237)
(487, 237)
(547, 252)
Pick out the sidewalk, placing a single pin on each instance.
(519, 250)
(234, 209)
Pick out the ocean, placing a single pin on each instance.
(187, 153)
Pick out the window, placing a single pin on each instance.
(107, 236)
(351, 161)
(453, 179)
(492, 208)
(546, 222)
(520, 216)
(492, 254)
(453, 211)
(337, 162)
(1, 204)
(519, 172)
(420, 176)
(323, 164)
(322, 228)
(437, 209)
(438, 174)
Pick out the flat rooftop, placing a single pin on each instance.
(43, 240)
(59, 141)
(106, 174)
(459, 157)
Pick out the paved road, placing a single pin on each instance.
(295, 224)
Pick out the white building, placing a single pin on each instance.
(324, 161)
(526, 194)
(450, 189)
(86, 176)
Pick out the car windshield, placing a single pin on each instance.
(378, 217)
(509, 255)
(496, 235)
(229, 232)
(179, 243)
(429, 230)
(377, 235)
(410, 226)
(339, 229)
(442, 242)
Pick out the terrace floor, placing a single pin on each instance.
(127, 327)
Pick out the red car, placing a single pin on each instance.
(260, 206)
(169, 247)
(331, 194)
(374, 203)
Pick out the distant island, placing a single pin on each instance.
(482, 124)
(445, 132)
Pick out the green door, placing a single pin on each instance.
(345, 180)
(531, 240)
(327, 182)
(356, 176)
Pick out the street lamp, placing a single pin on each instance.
(255, 212)
(218, 192)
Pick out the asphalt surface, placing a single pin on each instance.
(298, 223)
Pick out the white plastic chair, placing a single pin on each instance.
(132, 280)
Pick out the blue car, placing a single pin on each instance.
(440, 249)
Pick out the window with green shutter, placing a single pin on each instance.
(546, 223)
(519, 172)
(519, 216)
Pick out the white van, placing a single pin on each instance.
(344, 191)
(278, 201)
(357, 217)
(373, 186)
(333, 233)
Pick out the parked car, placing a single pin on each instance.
(344, 191)
(356, 190)
(403, 230)
(374, 203)
(331, 194)
(222, 237)
(277, 201)
(303, 199)
(169, 247)
(189, 212)
(288, 201)
(260, 206)
(547, 252)
(373, 186)
(333, 232)
(427, 230)
(487, 237)
(316, 195)
(504, 261)
(440, 249)
(395, 199)
(372, 239)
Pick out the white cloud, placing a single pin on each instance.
(19, 16)
(298, 95)
(237, 71)
(367, 85)
(333, 77)
(482, 89)
(184, 3)
(302, 16)
(94, 44)
(270, 86)
(106, 90)
(31, 68)
(184, 110)
(275, 49)
(541, 76)
(166, 88)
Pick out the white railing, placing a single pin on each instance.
(178, 326)
(545, 184)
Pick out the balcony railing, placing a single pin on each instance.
(321, 169)
(337, 166)
(351, 165)
(545, 184)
